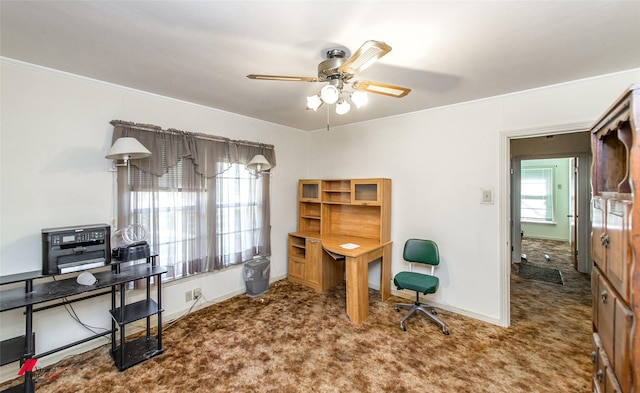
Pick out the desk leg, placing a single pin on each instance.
(357, 288)
(385, 273)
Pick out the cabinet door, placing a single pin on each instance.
(619, 248)
(366, 192)
(296, 269)
(595, 296)
(601, 372)
(297, 257)
(314, 262)
(606, 315)
(598, 231)
(622, 347)
(598, 364)
(611, 383)
(309, 191)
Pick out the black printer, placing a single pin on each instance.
(75, 248)
(131, 252)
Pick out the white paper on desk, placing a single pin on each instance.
(349, 246)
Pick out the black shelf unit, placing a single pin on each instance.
(126, 354)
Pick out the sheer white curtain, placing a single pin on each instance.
(202, 208)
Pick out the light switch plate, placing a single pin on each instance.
(487, 196)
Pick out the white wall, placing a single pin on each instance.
(55, 133)
(439, 161)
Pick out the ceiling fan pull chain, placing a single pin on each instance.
(327, 117)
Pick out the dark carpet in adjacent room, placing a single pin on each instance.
(540, 273)
(291, 339)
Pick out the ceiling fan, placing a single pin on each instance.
(339, 72)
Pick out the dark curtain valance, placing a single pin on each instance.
(210, 154)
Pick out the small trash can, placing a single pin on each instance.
(256, 276)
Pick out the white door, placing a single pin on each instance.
(516, 237)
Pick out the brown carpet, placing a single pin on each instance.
(291, 339)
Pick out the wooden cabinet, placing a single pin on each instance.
(309, 266)
(335, 207)
(615, 245)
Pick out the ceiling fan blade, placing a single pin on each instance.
(381, 88)
(366, 55)
(283, 78)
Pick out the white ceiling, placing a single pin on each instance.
(445, 51)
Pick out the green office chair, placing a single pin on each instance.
(426, 252)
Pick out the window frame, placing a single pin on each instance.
(548, 197)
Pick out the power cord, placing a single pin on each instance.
(72, 313)
(189, 310)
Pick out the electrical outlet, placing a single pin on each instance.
(197, 293)
(188, 296)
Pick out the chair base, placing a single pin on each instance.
(418, 307)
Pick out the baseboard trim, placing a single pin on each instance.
(447, 307)
(455, 310)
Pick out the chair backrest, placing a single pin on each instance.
(421, 251)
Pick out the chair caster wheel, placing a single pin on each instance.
(396, 308)
(445, 331)
(404, 329)
(433, 311)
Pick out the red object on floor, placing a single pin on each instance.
(28, 365)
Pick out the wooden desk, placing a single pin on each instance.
(333, 212)
(357, 271)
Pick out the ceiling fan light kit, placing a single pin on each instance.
(339, 71)
(329, 94)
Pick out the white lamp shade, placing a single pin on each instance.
(314, 102)
(127, 148)
(342, 107)
(259, 163)
(359, 98)
(329, 94)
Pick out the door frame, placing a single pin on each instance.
(506, 225)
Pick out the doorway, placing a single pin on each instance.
(567, 140)
(550, 201)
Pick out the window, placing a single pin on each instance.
(202, 208)
(536, 194)
(239, 212)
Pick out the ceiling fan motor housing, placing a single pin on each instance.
(330, 68)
